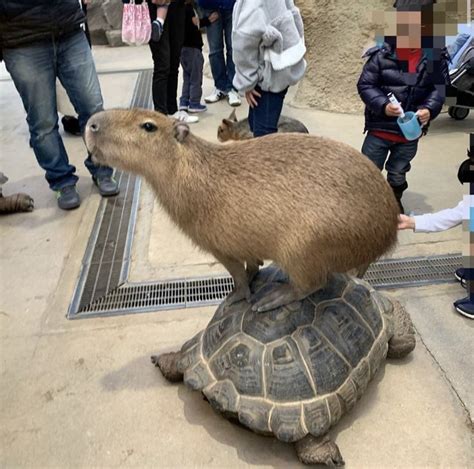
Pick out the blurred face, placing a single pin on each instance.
(409, 29)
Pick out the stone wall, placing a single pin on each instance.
(104, 18)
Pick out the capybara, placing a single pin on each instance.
(311, 204)
(233, 129)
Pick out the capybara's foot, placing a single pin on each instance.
(281, 295)
(322, 450)
(168, 365)
(240, 293)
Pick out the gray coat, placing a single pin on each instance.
(268, 45)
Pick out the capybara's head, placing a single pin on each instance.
(225, 129)
(133, 139)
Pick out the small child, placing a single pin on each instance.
(415, 74)
(158, 25)
(446, 219)
(192, 60)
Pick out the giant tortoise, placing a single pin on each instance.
(294, 371)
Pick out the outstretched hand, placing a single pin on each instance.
(405, 222)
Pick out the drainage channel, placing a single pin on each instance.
(103, 288)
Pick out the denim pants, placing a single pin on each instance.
(192, 62)
(263, 119)
(223, 69)
(398, 162)
(34, 69)
(166, 54)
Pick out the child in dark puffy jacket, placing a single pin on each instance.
(415, 72)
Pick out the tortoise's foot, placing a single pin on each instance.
(280, 295)
(168, 365)
(401, 346)
(322, 450)
(25, 202)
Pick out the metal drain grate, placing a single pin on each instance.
(186, 293)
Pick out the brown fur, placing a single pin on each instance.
(311, 204)
(233, 129)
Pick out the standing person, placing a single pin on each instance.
(222, 66)
(166, 51)
(415, 72)
(40, 42)
(269, 54)
(192, 60)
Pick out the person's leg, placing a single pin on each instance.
(376, 149)
(216, 53)
(267, 114)
(176, 24)
(251, 118)
(33, 72)
(230, 67)
(187, 64)
(76, 72)
(196, 77)
(160, 52)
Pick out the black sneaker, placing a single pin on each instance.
(68, 198)
(107, 186)
(460, 276)
(156, 30)
(465, 306)
(71, 125)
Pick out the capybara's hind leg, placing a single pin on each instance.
(239, 274)
(168, 365)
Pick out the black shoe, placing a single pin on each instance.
(156, 30)
(107, 186)
(71, 125)
(460, 276)
(465, 307)
(68, 198)
(398, 192)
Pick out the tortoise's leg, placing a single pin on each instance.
(168, 365)
(403, 340)
(321, 450)
(16, 203)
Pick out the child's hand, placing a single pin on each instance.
(213, 17)
(405, 222)
(251, 97)
(392, 110)
(424, 115)
(195, 20)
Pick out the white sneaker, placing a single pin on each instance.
(215, 96)
(234, 98)
(183, 116)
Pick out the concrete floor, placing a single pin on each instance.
(83, 393)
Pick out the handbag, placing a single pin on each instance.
(136, 24)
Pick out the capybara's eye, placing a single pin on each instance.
(149, 127)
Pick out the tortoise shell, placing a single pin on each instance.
(294, 370)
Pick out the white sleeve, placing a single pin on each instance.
(439, 221)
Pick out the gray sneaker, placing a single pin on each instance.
(107, 186)
(68, 198)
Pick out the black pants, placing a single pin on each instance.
(166, 53)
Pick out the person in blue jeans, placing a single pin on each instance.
(269, 57)
(41, 42)
(222, 66)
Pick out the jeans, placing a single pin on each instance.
(397, 164)
(34, 70)
(223, 69)
(263, 119)
(192, 62)
(166, 54)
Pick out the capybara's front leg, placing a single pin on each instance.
(252, 269)
(16, 203)
(280, 295)
(239, 274)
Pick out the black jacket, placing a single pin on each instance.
(383, 73)
(193, 35)
(24, 22)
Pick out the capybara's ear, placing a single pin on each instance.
(227, 122)
(181, 131)
(233, 116)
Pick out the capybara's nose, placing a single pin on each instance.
(94, 127)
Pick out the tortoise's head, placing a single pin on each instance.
(134, 140)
